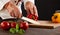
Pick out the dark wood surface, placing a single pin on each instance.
(36, 31)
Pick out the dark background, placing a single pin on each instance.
(46, 8)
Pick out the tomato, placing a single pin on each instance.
(24, 25)
(32, 16)
(29, 16)
(13, 24)
(5, 25)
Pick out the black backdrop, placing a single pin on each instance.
(46, 8)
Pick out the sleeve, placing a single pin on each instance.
(2, 3)
(28, 0)
(19, 6)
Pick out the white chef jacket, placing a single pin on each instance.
(3, 2)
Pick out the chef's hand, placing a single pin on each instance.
(31, 8)
(13, 10)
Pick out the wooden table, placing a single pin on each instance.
(36, 31)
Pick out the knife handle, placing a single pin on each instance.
(0, 19)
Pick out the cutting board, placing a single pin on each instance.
(45, 24)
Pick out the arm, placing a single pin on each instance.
(2, 3)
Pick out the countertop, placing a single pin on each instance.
(36, 31)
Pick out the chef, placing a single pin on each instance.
(14, 10)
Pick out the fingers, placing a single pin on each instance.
(20, 15)
(12, 14)
(14, 11)
(28, 11)
(35, 10)
(31, 10)
(15, 14)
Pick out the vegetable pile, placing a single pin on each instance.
(14, 27)
(17, 27)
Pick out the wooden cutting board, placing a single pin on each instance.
(45, 25)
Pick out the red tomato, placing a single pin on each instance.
(24, 25)
(32, 16)
(5, 25)
(29, 16)
(13, 24)
(35, 17)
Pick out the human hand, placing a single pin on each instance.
(31, 8)
(13, 10)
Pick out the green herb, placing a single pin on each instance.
(21, 31)
(12, 30)
(17, 27)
